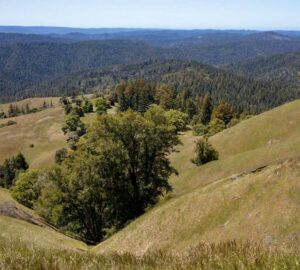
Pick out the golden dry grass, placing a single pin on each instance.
(42, 129)
(223, 200)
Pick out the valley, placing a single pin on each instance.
(133, 148)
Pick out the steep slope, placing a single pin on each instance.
(18, 223)
(251, 193)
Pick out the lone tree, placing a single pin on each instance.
(204, 152)
(120, 168)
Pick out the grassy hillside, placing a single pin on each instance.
(252, 192)
(42, 129)
(32, 103)
(22, 225)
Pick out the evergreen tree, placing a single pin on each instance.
(206, 110)
(164, 97)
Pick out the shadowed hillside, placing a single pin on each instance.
(20, 224)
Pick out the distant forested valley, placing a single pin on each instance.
(254, 71)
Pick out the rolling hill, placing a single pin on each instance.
(251, 193)
(25, 65)
(27, 62)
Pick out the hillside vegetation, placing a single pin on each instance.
(250, 193)
(183, 76)
(21, 225)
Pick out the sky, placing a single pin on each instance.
(173, 14)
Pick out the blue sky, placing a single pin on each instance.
(181, 14)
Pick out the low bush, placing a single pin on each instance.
(204, 152)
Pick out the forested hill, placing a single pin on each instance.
(47, 65)
(24, 65)
(236, 49)
(196, 79)
(278, 67)
(11, 38)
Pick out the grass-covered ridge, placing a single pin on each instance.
(227, 199)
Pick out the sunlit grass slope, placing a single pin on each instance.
(228, 199)
(42, 129)
(20, 224)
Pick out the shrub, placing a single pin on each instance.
(28, 187)
(204, 152)
(87, 107)
(200, 130)
(215, 126)
(177, 119)
(60, 155)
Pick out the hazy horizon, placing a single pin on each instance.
(164, 14)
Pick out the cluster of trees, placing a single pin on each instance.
(73, 127)
(211, 120)
(118, 170)
(246, 95)
(206, 117)
(10, 169)
(15, 110)
(75, 105)
(75, 108)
